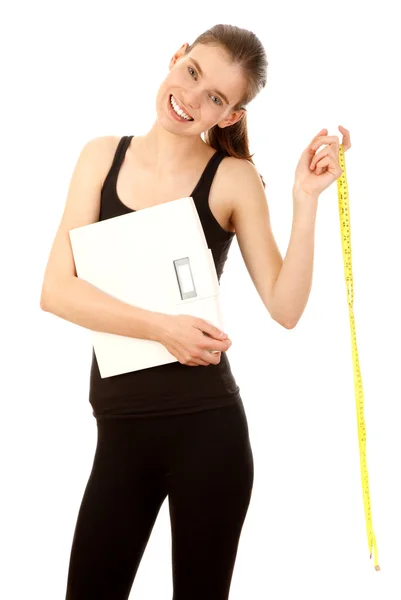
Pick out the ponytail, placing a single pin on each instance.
(232, 139)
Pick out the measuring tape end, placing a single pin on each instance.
(377, 568)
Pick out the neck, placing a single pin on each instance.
(169, 151)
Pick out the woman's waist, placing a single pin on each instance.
(168, 380)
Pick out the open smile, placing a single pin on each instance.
(178, 111)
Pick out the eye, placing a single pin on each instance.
(218, 100)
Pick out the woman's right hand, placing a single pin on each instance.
(190, 339)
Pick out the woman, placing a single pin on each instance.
(202, 458)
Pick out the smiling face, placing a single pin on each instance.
(202, 85)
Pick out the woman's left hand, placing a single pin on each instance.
(316, 171)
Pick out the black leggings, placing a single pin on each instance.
(203, 462)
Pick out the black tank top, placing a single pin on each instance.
(172, 388)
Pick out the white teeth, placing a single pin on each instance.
(178, 110)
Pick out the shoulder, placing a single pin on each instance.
(101, 147)
(238, 176)
(105, 144)
(239, 167)
(102, 150)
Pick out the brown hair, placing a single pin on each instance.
(245, 49)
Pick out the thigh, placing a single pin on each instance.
(118, 510)
(210, 488)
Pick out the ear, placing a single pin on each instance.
(176, 57)
(234, 117)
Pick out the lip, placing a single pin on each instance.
(180, 105)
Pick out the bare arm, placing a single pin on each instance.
(72, 298)
(80, 302)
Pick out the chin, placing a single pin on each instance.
(172, 127)
(167, 125)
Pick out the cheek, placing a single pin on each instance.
(213, 111)
(176, 78)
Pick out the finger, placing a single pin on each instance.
(330, 150)
(346, 137)
(217, 346)
(325, 139)
(322, 164)
(200, 363)
(326, 164)
(318, 156)
(321, 132)
(210, 330)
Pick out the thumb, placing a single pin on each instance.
(211, 330)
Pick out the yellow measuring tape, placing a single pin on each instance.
(343, 208)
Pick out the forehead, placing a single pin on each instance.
(219, 72)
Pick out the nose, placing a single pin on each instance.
(192, 99)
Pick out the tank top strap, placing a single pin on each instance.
(205, 182)
(117, 161)
(120, 153)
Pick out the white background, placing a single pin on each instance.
(78, 70)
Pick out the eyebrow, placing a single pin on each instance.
(197, 65)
